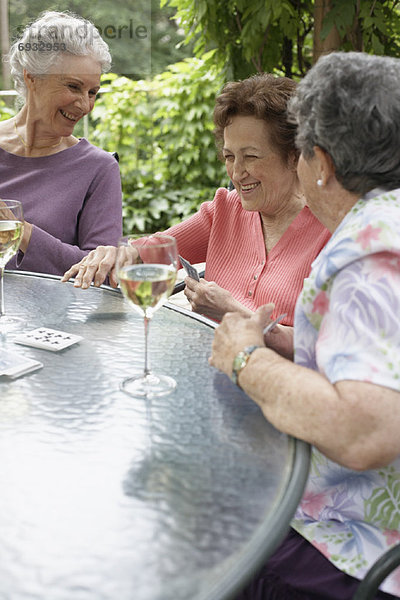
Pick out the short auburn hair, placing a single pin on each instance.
(264, 96)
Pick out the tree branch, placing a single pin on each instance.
(261, 51)
(238, 22)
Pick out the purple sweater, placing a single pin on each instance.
(73, 200)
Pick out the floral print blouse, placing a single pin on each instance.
(347, 326)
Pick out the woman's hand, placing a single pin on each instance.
(235, 333)
(94, 267)
(208, 298)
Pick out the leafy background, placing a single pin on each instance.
(163, 132)
(155, 110)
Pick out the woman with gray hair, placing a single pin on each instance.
(334, 379)
(70, 190)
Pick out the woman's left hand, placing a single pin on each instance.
(235, 333)
(208, 298)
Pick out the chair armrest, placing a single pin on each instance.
(377, 573)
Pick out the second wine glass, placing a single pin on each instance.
(146, 270)
(11, 232)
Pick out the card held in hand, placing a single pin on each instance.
(190, 270)
(47, 339)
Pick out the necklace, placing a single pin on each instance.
(37, 147)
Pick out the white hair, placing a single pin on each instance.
(45, 41)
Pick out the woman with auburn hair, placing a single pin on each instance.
(258, 241)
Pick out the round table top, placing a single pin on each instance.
(106, 497)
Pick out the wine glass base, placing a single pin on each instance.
(148, 386)
(8, 324)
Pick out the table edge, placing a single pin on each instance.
(258, 551)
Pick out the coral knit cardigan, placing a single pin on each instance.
(230, 240)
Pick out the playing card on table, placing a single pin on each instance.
(190, 270)
(47, 339)
(14, 365)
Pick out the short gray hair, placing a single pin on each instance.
(52, 34)
(348, 104)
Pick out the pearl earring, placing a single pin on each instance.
(319, 182)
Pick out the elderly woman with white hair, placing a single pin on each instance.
(341, 393)
(70, 190)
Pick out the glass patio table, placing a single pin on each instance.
(106, 497)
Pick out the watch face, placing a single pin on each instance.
(239, 361)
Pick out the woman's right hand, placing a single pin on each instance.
(208, 298)
(94, 267)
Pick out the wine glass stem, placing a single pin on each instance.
(146, 337)
(2, 310)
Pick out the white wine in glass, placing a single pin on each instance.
(11, 232)
(146, 270)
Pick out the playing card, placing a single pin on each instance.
(271, 325)
(14, 365)
(190, 270)
(47, 339)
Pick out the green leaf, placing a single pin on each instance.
(376, 44)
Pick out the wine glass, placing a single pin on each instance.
(146, 269)
(11, 232)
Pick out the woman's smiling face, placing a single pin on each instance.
(61, 98)
(262, 179)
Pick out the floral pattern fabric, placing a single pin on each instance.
(347, 327)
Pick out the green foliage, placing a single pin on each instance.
(277, 35)
(381, 27)
(378, 24)
(162, 130)
(6, 112)
(249, 37)
(342, 15)
(167, 39)
(156, 209)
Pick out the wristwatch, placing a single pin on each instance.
(240, 361)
